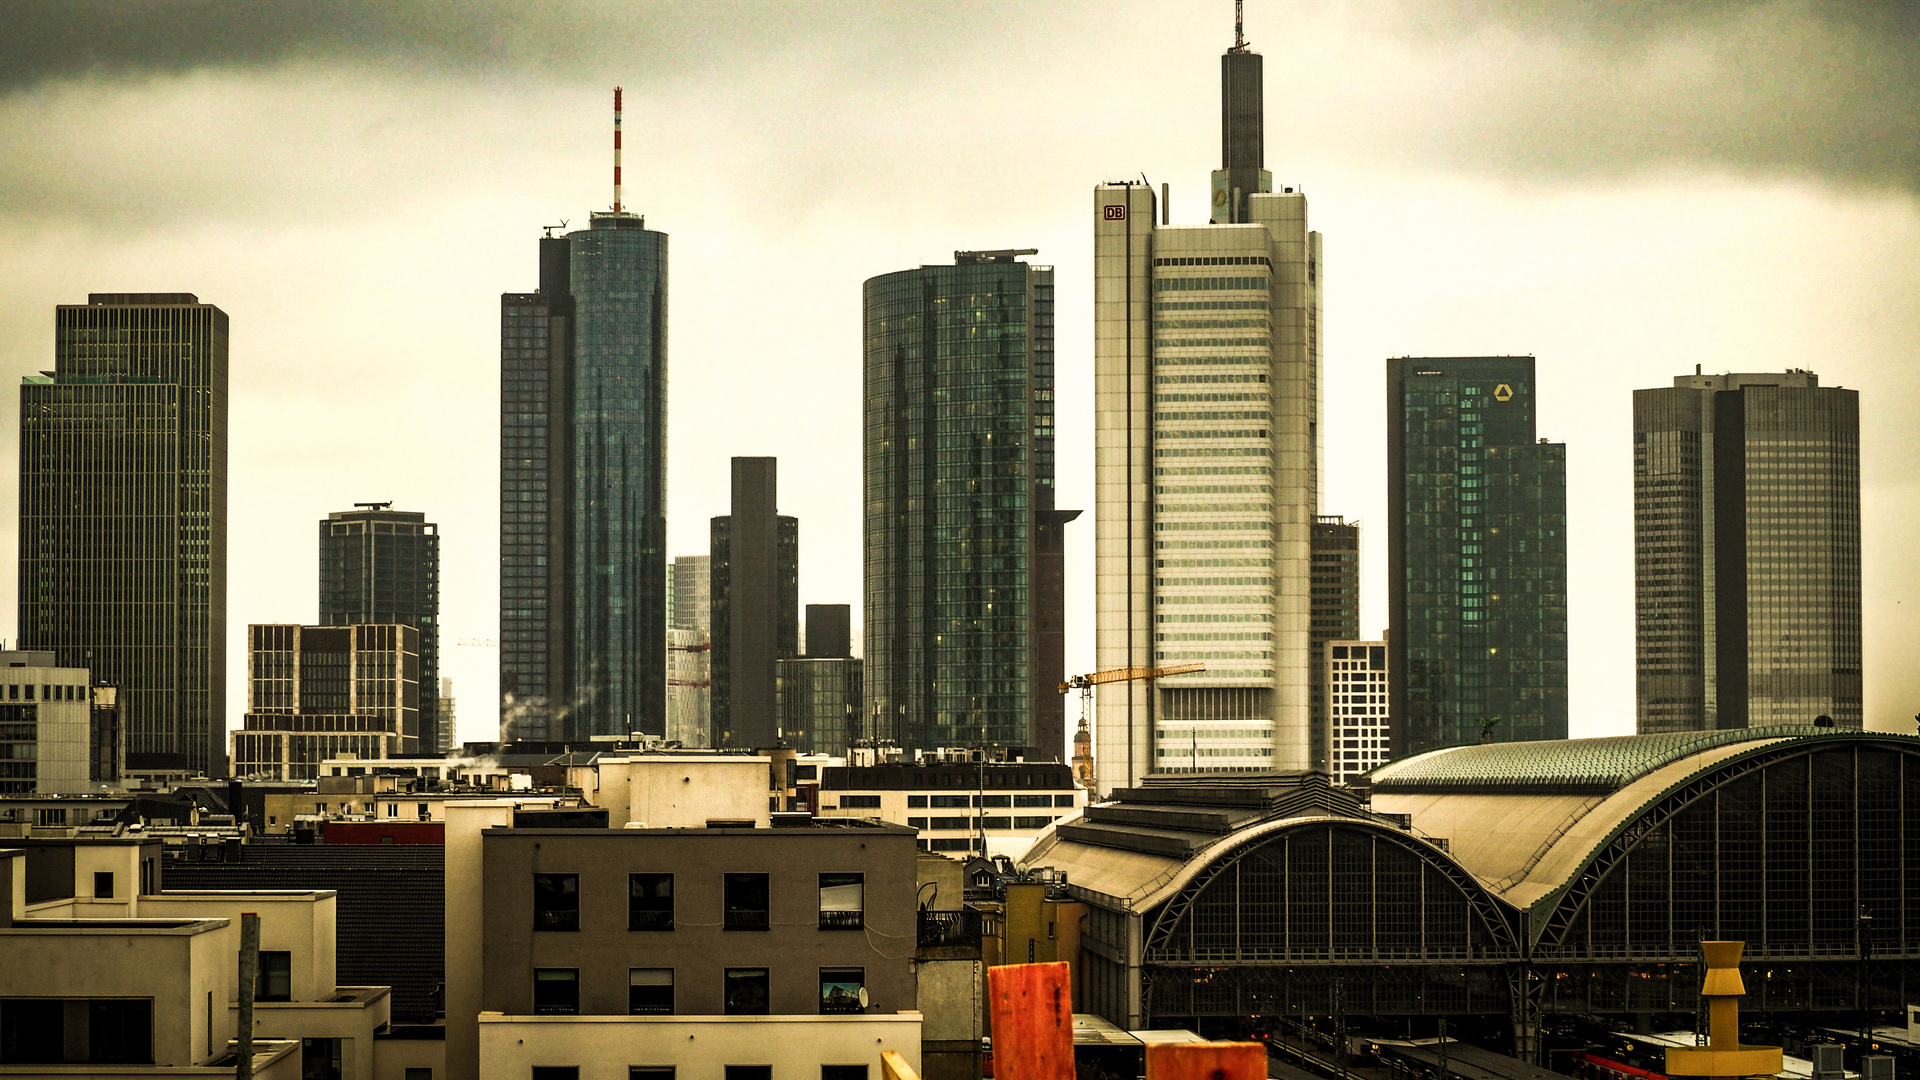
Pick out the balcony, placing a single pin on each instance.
(842, 920)
(747, 919)
(949, 929)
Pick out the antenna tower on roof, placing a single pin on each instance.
(616, 149)
(1239, 38)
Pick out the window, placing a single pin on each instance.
(118, 1031)
(418, 1074)
(320, 1059)
(840, 989)
(843, 1072)
(916, 802)
(1036, 821)
(556, 901)
(103, 884)
(749, 1072)
(994, 800)
(650, 991)
(649, 901)
(916, 823)
(556, 1072)
(276, 977)
(746, 901)
(556, 991)
(1063, 800)
(649, 1072)
(393, 810)
(420, 811)
(746, 992)
(842, 901)
(1033, 800)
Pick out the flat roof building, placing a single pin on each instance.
(58, 733)
(754, 606)
(123, 517)
(1746, 523)
(380, 565)
(1477, 555)
(316, 692)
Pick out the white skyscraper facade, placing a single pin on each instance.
(1207, 461)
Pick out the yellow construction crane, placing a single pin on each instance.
(1083, 738)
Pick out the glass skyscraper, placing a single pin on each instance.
(958, 479)
(1477, 545)
(753, 606)
(380, 565)
(1746, 517)
(123, 516)
(583, 410)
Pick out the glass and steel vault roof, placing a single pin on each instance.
(1562, 766)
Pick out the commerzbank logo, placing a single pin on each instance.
(1503, 392)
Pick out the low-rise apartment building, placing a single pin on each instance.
(605, 949)
(957, 805)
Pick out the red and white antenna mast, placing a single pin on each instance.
(616, 149)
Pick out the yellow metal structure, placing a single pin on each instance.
(1723, 1055)
(1083, 739)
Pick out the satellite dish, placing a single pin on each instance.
(863, 997)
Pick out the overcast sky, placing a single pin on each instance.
(1624, 189)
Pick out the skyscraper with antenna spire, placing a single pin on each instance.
(1207, 460)
(583, 469)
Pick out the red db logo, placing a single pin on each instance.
(1115, 212)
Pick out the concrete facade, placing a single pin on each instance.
(793, 949)
(1206, 466)
(46, 726)
(696, 1047)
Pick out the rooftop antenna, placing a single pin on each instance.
(616, 149)
(1239, 38)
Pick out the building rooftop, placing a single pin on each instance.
(1558, 766)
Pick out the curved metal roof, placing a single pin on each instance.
(1561, 766)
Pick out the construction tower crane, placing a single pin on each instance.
(1083, 738)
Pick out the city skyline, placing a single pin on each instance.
(1462, 238)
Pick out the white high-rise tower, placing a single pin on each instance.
(1207, 462)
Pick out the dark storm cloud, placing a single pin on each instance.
(47, 40)
(1828, 88)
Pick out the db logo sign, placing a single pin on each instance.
(1114, 213)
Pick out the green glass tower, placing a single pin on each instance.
(583, 466)
(962, 536)
(1477, 550)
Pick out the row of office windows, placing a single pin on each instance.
(665, 1072)
(951, 824)
(745, 902)
(745, 991)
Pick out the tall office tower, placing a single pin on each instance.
(962, 543)
(1335, 610)
(754, 606)
(380, 565)
(1359, 739)
(1207, 462)
(123, 517)
(692, 580)
(445, 721)
(318, 692)
(1746, 516)
(1477, 556)
(690, 652)
(583, 456)
(819, 693)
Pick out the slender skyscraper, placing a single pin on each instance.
(1207, 404)
(1336, 616)
(963, 547)
(380, 565)
(1477, 556)
(754, 604)
(1746, 517)
(123, 516)
(583, 456)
